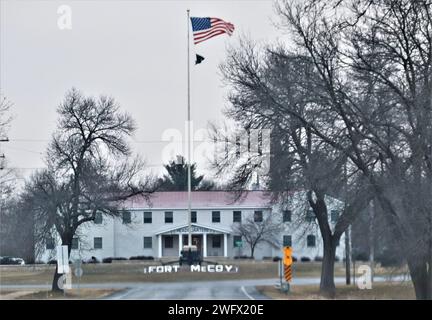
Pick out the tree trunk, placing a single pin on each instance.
(55, 284)
(327, 285)
(252, 251)
(419, 277)
(429, 280)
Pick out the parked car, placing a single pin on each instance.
(11, 260)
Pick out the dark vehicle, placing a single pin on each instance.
(190, 255)
(11, 260)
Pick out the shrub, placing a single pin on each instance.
(243, 257)
(141, 258)
(52, 261)
(318, 259)
(111, 259)
(276, 259)
(305, 259)
(93, 260)
(294, 259)
(337, 259)
(107, 260)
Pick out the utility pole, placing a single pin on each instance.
(371, 238)
(3, 156)
(1, 168)
(347, 233)
(348, 256)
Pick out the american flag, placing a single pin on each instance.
(206, 28)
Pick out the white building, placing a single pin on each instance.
(159, 227)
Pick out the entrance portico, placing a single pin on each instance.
(210, 241)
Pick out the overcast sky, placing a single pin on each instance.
(134, 51)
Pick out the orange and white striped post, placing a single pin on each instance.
(287, 261)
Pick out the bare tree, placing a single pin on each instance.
(262, 231)
(373, 80)
(5, 118)
(265, 86)
(89, 169)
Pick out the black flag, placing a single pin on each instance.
(199, 59)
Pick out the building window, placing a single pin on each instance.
(287, 241)
(147, 217)
(237, 216)
(169, 217)
(236, 241)
(310, 216)
(216, 241)
(98, 218)
(97, 243)
(169, 242)
(287, 216)
(74, 244)
(148, 242)
(193, 217)
(50, 244)
(310, 241)
(258, 216)
(216, 216)
(334, 215)
(126, 217)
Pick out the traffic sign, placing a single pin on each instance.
(287, 259)
(287, 273)
(239, 244)
(62, 259)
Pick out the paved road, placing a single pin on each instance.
(196, 290)
(200, 290)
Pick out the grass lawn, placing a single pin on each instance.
(379, 291)
(133, 272)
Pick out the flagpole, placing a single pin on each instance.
(189, 134)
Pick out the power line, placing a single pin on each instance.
(23, 149)
(133, 141)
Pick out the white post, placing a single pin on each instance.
(159, 245)
(205, 245)
(180, 243)
(225, 245)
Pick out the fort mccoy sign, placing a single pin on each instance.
(211, 268)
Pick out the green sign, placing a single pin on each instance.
(239, 244)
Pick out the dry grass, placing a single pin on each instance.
(47, 294)
(73, 294)
(133, 272)
(379, 291)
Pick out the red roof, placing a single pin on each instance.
(201, 199)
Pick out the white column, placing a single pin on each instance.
(159, 245)
(205, 245)
(180, 243)
(225, 245)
